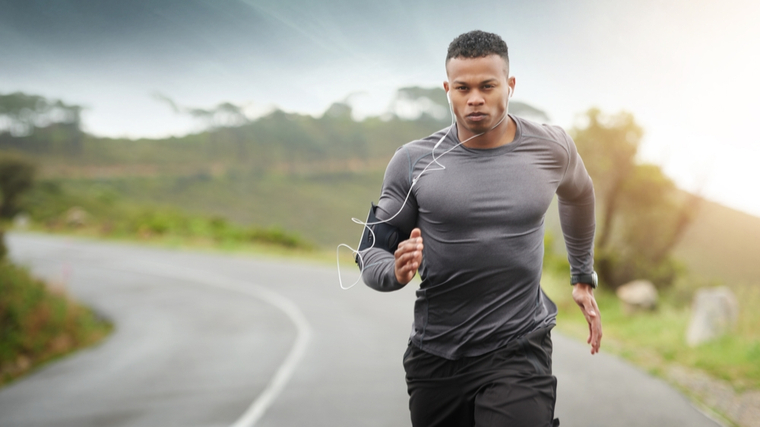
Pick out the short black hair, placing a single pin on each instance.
(477, 44)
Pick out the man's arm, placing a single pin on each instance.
(385, 271)
(576, 211)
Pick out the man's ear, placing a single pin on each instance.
(446, 86)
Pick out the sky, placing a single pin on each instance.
(686, 69)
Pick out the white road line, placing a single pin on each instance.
(303, 331)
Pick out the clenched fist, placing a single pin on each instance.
(409, 257)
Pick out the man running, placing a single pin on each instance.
(480, 348)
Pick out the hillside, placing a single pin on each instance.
(721, 245)
(308, 175)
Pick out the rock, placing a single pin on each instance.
(21, 221)
(713, 313)
(638, 295)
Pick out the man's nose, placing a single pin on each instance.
(475, 99)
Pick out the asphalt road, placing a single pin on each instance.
(223, 340)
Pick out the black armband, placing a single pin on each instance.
(386, 236)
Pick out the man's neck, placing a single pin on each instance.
(502, 134)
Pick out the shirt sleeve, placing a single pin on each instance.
(398, 206)
(576, 212)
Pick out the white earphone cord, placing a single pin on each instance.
(414, 181)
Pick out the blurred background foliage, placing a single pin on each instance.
(296, 180)
(641, 214)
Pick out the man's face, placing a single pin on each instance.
(479, 89)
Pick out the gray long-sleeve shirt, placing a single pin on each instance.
(482, 224)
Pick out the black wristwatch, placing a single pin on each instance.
(591, 279)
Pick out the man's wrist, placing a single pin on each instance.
(590, 279)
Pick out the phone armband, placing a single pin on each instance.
(386, 236)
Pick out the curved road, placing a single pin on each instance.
(223, 340)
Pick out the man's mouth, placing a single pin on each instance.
(476, 117)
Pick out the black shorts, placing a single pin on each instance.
(512, 386)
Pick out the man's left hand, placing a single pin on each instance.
(583, 294)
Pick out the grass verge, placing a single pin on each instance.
(656, 340)
(40, 323)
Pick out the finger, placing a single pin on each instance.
(588, 307)
(413, 243)
(409, 245)
(407, 249)
(591, 318)
(598, 331)
(408, 263)
(595, 337)
(416, 233)
(408, 257)
(597, 341)
(405, 268)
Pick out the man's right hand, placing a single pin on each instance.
(408, 257)
(583, 294)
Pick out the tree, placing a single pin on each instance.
(642, 213)
(20, 113)
(16, 176)
(34, 124)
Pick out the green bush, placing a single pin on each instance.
(276, 236)
(160, 222)
(37, 325)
